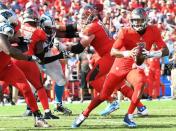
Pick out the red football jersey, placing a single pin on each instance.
(128, 38)
(37, 36)
(102, 42)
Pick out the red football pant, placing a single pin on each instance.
(12, 75)
(33, 75)
(111, 83)
(137, 82)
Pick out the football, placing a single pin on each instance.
(139, 58)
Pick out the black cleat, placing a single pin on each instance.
(63, 110)
(49, 115)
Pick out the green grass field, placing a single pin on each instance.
(162, 117)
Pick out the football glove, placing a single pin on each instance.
(34, 58)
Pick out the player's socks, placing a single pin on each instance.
(94, 103)
(59, 90)
(131, 108)
(30, 100)
(43, 98)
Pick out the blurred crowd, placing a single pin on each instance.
(114, 14)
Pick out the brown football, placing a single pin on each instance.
(139, 58)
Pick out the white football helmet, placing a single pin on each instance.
(30, 15)
(10, 16)
(6, 29)
(47, 23)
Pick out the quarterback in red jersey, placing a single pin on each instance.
(128, 39)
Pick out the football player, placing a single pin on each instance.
(11, 74)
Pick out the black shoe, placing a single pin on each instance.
(49, 115)
(13, 103)
(63, 110)
(27, 113)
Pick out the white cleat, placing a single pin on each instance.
(78, 121)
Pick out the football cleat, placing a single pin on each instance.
(40, 122)
(78, 121)
(49, 115)
(110, 108)
(142, 111)
(62, 109)
(128, 120)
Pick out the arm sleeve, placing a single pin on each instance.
(78, 48)
(71, 27)
(71, 32)
(64, 34)
(47, 60)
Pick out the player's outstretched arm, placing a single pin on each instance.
(81, 45)
(67, 31)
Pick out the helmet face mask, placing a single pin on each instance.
(139, 19)
(48, 30)
(87, 14)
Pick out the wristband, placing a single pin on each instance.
(126, 53)
(156, 54)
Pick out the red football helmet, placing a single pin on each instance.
(87, 14)
(139, 19)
